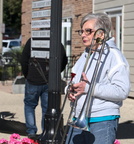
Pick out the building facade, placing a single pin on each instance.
(73, 11)
(26, 20)
(122, 16)
(120, 12)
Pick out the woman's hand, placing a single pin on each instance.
(78, 88)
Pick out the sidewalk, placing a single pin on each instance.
(12, 106)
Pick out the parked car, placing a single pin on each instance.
(9, 45)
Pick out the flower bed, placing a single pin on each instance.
(16, 139)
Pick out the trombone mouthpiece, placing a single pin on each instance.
(98, 40)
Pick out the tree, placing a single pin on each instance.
(12, 16)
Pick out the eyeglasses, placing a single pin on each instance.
(86, 31)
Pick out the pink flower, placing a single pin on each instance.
(117, 142)
(14, 136)
(15, 139)
(3, 141)
(15, 142)
(33, 141)
(26, 141)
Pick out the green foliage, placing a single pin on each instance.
(13, 68)
(12, 14)
(16, 54)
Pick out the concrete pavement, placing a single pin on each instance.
(12, 106)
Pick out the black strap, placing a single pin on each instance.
(38, 67)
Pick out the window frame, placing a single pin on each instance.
(117, 14)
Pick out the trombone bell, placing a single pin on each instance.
(80, 123)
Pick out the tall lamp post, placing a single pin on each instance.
(1, 23)
(54, 91)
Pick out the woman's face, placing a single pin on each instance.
(88, 32)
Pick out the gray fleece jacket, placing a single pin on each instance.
(112, 83)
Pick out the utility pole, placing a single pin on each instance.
(54, 91)
(1, 24)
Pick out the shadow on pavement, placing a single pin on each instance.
(126, 130)
(11, 126)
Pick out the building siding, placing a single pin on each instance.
(128, 29)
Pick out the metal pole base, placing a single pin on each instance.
(47, 135)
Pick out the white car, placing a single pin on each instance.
(9, 45)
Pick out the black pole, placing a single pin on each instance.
(54, 90)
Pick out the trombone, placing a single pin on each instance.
(81, 121)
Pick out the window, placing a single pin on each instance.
(116, 19)
(66, 41)
(14, 43)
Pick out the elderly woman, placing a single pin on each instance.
(112, 84)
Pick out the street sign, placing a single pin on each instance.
(40, 54)
(41, 4)
(41, 43)
(41, 34)
(40, 24)
(40, 28)
(41, 13)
